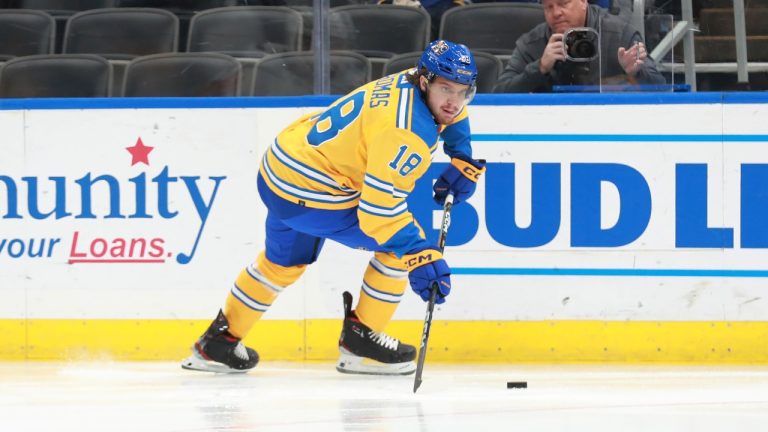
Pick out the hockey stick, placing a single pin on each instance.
(433, 294)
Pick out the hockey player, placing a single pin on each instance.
(344, 174)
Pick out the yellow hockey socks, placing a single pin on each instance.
(255, 289)
(384, 282)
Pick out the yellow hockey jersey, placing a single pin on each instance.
(366, 150)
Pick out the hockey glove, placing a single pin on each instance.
(460, 178)
(426, 267)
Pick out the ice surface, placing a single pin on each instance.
(88, 396)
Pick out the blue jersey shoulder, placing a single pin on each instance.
(457, 139)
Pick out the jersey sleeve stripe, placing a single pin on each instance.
(305, 170)
(383, 211)
(378, 185)
(248, 301)
(384, 186)
(305, 194)
(380, 295)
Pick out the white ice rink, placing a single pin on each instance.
(140, 397)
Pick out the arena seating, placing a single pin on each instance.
(121, 30)
(61, 10)
(121, 33)
(378, 32)
(56, 75)
(26, 32)
(292, 73)
(182, 75)
(490, 27)
(246, 31)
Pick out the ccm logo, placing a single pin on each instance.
(471, 173)
(417, 260)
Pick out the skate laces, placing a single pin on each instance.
(384, 340)
(240, 351)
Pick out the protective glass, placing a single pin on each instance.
(596, 64)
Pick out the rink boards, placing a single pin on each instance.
(625, 228)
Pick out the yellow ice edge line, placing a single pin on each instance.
(703, 342)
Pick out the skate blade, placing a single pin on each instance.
(197, 363)
(352, 364)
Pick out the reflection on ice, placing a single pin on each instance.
(40, 396)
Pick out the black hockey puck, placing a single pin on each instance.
(517, 384)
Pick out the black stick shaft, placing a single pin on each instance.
(433, 295)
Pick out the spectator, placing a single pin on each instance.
(605, 4)
(538, 61)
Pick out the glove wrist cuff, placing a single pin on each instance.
(468, 169)
(420, 258)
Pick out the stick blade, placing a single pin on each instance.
(416, 385)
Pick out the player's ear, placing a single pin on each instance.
(423, 83)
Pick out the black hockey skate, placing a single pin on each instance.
(218, 351)
(364, 351)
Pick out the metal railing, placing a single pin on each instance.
(685, 30)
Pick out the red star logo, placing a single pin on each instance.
(139, 152)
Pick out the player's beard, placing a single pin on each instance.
(441, 116)
(448, 116)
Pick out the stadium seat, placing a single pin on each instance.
(490, 27)
(182, 75)
(56, 75)
(61, 10)
(26, 32)
(332, 3)
(181, 5)
(184, 11)
(292, 74)
(307, 24)
(246, 31)
(489, 67)
(121, 33)
(379, 30)
(400, 62)
(64, 7)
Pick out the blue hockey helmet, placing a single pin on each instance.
(449, 60)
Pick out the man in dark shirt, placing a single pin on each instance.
(538, 61)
